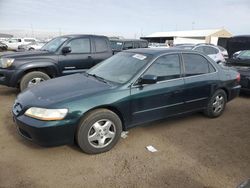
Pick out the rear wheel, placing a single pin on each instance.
(99, 131)
(33, 78)
(216, 104)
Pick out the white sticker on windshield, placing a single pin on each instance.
(139, 56)
(119, 43)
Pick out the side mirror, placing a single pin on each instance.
(148, 79)
(66, 50)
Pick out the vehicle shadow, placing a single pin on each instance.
(6, 91)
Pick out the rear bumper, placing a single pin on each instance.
(245, 83)
(40, 133)
(234, 92)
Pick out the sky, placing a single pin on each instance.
(128, 18)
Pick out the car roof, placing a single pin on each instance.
(127, 40)
(158, 51)
(81, 35)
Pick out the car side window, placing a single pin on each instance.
(128, 45)
(101, 44)
(80, 45)
(210, 50)
(165, 67)
(196, 64)
(136, 45)
(144, 45)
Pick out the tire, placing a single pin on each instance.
(93, 134)
(32, 78)
(216, 104)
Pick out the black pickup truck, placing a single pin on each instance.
(61, 56)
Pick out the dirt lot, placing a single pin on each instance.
(194, 151)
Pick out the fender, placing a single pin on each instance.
(47, 64)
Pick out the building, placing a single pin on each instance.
(213, 36)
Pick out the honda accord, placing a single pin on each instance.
(130, 88)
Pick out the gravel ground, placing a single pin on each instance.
(193, 151)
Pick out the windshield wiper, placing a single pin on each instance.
(44, 50)
(97, 77)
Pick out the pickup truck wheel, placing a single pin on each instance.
(99, 131)
(216, 104)
(32, 78)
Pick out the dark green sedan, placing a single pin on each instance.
(130, 88)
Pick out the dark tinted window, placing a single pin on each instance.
(81, 45)
(195, 64)
(144, 44)
(101, 45)
(136, 45)
(165, 67)
(128, 45)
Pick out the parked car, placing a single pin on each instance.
(61, 56)
(13, 43)
(3, 47)
(224, 52)
(31, 46)
(130, 88)
(210, 50)
(118, 45)
(241, 62)
(237, 43)
(158, 45)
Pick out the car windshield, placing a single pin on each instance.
(244, 54)
(54, 44)
(121, 67)
(116, 45)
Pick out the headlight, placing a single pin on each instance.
(46, 114)
(6, 62)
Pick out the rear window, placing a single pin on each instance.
(196, 64)
(29, 40)
(101, 45)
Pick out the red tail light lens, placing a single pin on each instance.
(238, 78)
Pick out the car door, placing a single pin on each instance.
(79, 59)
(200, 78)
(162, 99)
(102, 50)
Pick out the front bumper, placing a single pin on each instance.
(7, 77)
(51, 133)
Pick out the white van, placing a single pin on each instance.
(13, 43)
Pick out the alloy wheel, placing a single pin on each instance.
(101, 133)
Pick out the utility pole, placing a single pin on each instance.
(193, 23)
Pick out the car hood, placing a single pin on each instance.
(61, 89)
(26, 54)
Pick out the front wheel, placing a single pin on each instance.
(33, 78)
(216, 104)
(99, 131)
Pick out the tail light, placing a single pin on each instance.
(238, 78)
